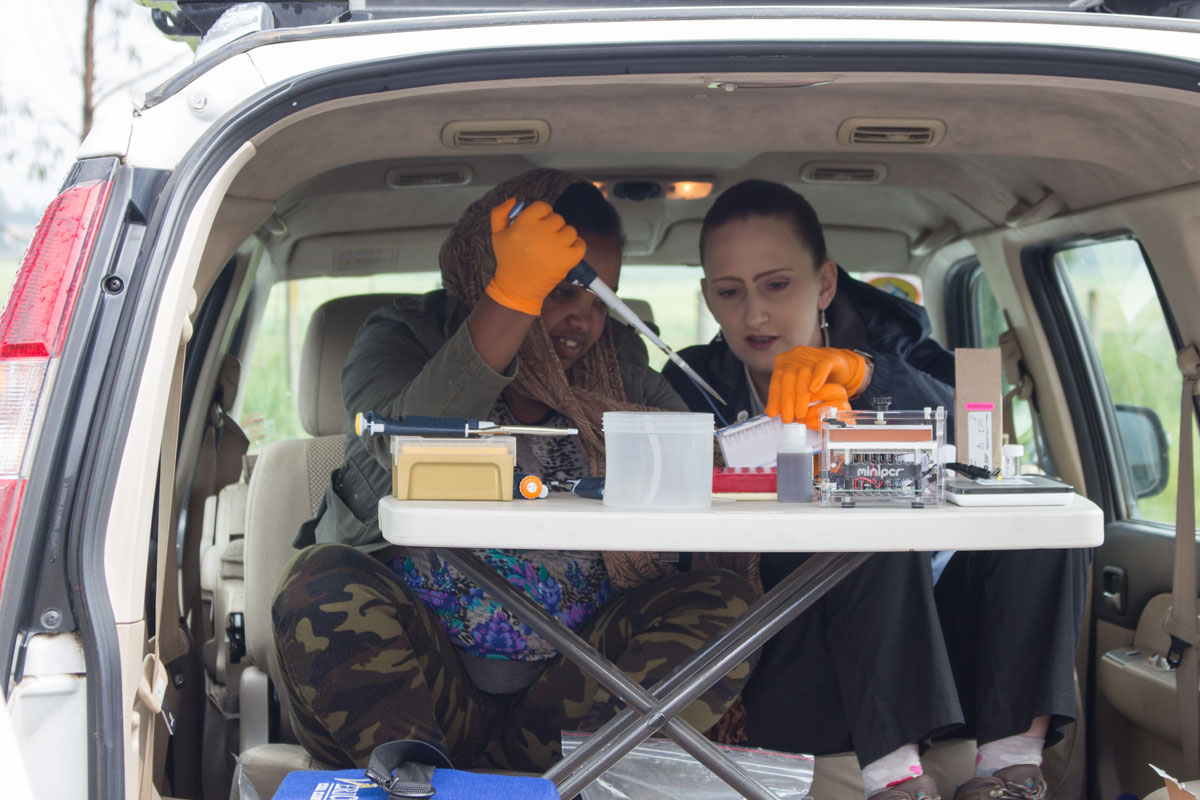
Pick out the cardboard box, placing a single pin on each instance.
(1175, 789)
(978, 413)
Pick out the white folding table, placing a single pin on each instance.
(840, 539)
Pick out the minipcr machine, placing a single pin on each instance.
(882, 457)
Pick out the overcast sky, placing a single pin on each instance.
(41, 61)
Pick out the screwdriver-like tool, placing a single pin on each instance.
(414, 425)
(583, 275)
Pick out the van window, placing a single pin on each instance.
(1121, 318)
(673, 293)
(268, 404)
(269, 412)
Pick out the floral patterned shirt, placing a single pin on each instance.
(570, 584)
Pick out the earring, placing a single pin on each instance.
(823, 322)
(720, 337)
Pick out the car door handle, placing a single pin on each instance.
(1113, 587)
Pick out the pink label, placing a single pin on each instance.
(980, 406)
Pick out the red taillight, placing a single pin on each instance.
(33, 328)
(11, 493)
(43, 295)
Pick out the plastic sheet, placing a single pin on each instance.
(659, 770)
(242, 788)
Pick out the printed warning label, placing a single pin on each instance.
(979, 439)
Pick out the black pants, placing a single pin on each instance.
(885, 658)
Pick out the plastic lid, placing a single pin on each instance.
(795, 435)
(657, 422)
(1010, 450)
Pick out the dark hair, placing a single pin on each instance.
(584, 208)
(755, 198)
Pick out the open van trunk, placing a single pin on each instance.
(967, 151)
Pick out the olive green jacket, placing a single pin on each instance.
(416, 357)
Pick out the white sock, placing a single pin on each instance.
(896, 767)
(1008, 752)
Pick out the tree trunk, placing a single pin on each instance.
(89, 65)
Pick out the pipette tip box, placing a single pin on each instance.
(751, 443)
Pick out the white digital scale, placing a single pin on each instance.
(1026, 490)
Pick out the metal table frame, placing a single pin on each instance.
(650, 710)
(454, 529)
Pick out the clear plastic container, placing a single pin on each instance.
(658, 459)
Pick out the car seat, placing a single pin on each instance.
(286, 486)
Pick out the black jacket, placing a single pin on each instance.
(914, 369)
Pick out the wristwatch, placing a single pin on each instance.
(868, 375)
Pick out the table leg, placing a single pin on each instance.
(610, 677)
(767, 617)
(690, 679)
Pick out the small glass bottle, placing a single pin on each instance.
(1012, 461)
(794, 465)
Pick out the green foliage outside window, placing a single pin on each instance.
(1123, 316)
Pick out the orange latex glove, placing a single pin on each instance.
(533, 255)
(802, 371)
(831, 395)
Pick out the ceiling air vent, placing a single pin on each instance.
(826, 172)
(412, 177)
(903, 132)
(509, 134)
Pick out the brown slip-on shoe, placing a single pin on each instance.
(919, 788)
(1020, 782)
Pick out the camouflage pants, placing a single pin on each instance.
(365, 662)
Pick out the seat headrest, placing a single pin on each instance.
(327, 344)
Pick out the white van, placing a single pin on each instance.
(1030, 171)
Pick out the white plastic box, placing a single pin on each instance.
(751, 443)
(660, 459)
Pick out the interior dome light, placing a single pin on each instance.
(689, 190)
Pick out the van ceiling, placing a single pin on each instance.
(1008, 139)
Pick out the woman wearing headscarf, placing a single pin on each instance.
(380, 643)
